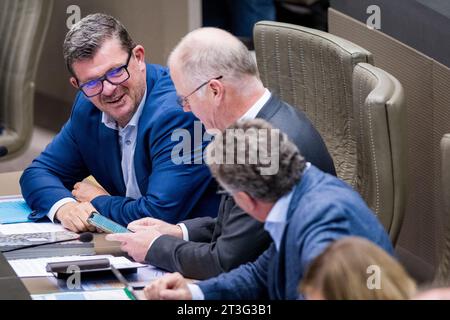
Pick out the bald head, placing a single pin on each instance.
(207, 53)
(212, 36)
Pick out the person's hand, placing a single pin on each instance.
(137, 244)
(86, 191)
(74, 215)
(169, 287)
(159, 225)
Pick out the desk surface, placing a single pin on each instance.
(42, 285)
(9, 184)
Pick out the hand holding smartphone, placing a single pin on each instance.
(105, 224)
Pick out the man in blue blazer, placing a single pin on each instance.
(120, 132)
(303, 209)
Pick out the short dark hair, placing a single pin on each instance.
(85, 38)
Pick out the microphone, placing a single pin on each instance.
(3, 151)
(84, 237)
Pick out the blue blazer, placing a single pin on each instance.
(86, 147)
(323, 209)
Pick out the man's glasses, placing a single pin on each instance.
(184, 100)
(115, 77)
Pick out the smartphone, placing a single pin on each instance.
(105, 224)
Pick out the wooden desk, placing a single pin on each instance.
(42, 285)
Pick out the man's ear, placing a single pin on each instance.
(139, 53)
(217, 88)
(74, 82)
(246, 202)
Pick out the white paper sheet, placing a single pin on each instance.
(26, 228)
(11, 197)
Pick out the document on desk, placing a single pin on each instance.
(115, 294)
(31, 227)
(28, 268)
(13, 209)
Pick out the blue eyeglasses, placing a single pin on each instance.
(184, 100)
(115, 77)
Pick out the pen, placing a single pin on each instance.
(129, 290)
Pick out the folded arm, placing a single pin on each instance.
(52, 175)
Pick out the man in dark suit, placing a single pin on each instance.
(303, 209)
(216, 78)
(120, 132)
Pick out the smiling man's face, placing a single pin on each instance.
(118, 101)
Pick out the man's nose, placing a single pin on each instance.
(108, 88)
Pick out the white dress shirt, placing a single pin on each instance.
(276, 219)
(256, 108)
(249, 115)
(127, 143)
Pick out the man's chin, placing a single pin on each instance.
(123, 101)
(122, 114)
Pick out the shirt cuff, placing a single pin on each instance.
(184, 230)
(51, 214)
(196, 292)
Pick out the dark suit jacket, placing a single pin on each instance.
(322, 210)
(219, 245)
(85, 146)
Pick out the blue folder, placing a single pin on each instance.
(14, 211)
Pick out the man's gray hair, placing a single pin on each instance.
(85, 37)
(207, 53)
(243, 173)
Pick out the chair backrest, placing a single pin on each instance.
(442, 277)
(357, 108)
(380, 123)
(312, 70)
(23, 26)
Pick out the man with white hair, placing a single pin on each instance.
(217, 79)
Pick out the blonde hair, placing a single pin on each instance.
(343, 270)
